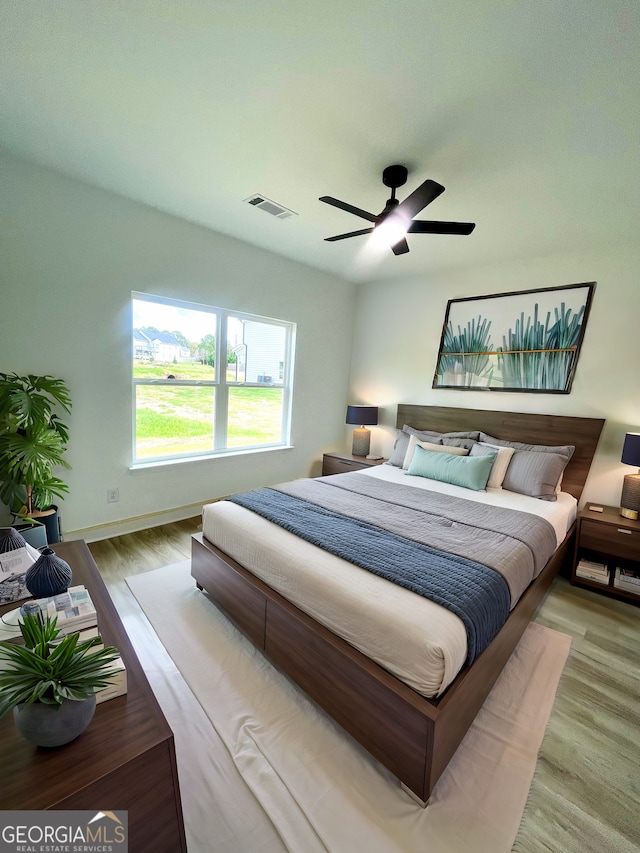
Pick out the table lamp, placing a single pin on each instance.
(630, 500)
(362, 416)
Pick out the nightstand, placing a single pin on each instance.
(607, 538)
(340, 463)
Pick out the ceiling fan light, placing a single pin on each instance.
(389, 232)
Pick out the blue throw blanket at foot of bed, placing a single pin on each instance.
(477, 594)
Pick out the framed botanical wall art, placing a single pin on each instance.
(524, 341)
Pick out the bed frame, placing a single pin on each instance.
(413, 737)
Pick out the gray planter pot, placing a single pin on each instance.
(47, 532)
(54, 725)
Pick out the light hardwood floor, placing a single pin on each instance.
(585, 794)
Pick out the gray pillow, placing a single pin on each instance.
(453, 439)
(535, 469)
(481, 449)
(399, 449)
(563, 450)
(458, 442)
(535, 473)
(402, 443)
(423, 434)
(474, 433)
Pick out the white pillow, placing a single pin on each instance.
(500, 465)
(437, 448)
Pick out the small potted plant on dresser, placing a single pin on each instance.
(51, 683)
(33, 440)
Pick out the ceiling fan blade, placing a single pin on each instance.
(350, 234)
(400, 248)
(419, 199)
(370, 217)
(419, 226)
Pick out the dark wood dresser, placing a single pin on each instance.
(125, 759)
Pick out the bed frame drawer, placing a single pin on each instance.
(241, 601)
(338, 678)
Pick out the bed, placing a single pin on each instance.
(364, 675)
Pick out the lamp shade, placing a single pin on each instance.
(631, 449)
(630, 499)
(362, 415)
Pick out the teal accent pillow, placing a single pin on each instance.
(470, 472)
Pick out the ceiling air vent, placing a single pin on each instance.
(270, 206)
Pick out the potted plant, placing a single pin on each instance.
(50, 683)
(32, 444)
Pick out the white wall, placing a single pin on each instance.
(71, 254)
(398, 328)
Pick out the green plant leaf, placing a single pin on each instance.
(51, 669)
(32, 439)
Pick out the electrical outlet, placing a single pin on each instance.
(113, 496)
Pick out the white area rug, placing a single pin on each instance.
(319, 789)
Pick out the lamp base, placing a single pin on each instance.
(361, 441)
(630, 499)
(629, 513)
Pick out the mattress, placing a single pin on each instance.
(418, 641)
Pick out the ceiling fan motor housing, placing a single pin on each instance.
(395, 176)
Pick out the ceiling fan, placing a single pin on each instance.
(397, 217)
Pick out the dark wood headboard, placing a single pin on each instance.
(583, 433)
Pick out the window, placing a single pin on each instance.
(207, 381)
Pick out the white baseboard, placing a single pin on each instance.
(135, 524)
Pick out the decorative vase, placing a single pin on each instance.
(54, 725)
(49, 575)
(10, 540)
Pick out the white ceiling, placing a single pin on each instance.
(526, 110)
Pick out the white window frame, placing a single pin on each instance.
(220, 383)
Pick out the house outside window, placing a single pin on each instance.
(207, 381)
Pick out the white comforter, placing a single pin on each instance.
(420, 642)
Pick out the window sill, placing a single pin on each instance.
(225, 454)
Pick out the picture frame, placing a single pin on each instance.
(524, 341)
